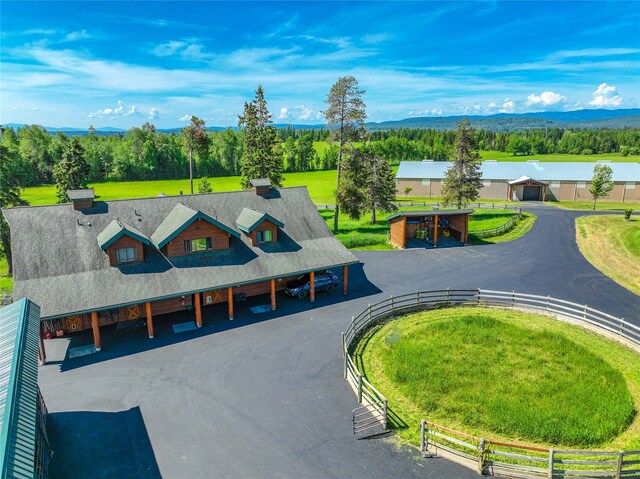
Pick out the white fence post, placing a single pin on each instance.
(551, 458)
(447, 295)
(391, 302)
(422, 438)
(360, 388)
(619, 466)
(621, 326)
(417, 298)
(584, 312)
(481, 449)
(369, 312)
(513, 298)
(478, 298)
(384, 419)
(548, 302)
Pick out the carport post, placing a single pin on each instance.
(42, 354)
(149, 319)
(198, 311)
(273, 295)
(312, 286)
(96, 330)
(435, 232)
(230, 300)
(345, 279)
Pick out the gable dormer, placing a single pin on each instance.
(262, 186)
(81, 199)
(259, 227)
(187, 231)
(123, 244)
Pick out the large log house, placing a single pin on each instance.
(92, 263)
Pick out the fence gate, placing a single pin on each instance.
(370, 419)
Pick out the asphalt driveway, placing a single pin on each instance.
(263, 396)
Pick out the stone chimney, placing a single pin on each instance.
(81, 199)
(262, 186)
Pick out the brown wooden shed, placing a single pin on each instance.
(429, 226)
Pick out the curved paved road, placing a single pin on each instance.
(263, 396)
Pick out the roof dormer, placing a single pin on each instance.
(261, 186)
(123, 243)
(259, 227)
(81, 199)
(186, 230)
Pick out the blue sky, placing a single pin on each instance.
(123, 63)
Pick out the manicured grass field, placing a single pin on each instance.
(362, 234)
(600, 205)
(6, 282)
(505, 375)
(519, 230)
(321, 186)
(504, 156)
(613, 246)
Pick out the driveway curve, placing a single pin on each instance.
(263, 396)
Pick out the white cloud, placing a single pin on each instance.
(284, 113)
(606, 95)
(74, 36)
(547, 98)
(492, 105)
(188, 49)
(431, 112)
(185, 118)
(299, 112)
(154, 114)
(120, 110)
(508, 106)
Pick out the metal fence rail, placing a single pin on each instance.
(492, 457)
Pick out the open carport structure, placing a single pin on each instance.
(429, 226)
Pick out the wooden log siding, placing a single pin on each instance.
(398, 231)
(198, 229)
(125, 242)
(460, 223)
(264, 226)
(253, 289)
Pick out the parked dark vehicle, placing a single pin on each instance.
(300, 287)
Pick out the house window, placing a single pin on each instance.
(126, 255)
(265, 236)
(195, 245)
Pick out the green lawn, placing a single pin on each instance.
(6, 282)
(520, 229)
(600, 205)
(505, 375)
(504, 156)
(363, 235)
(321, 185)
(613, 246)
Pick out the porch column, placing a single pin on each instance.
(435, 232)
(96, 331)
(312, 285)
(466, 229)
(230, 300)
(198, 311)
(345, 279)
(544, 193)
(404, 232)
(42, 354)
(273, 295)
(149, 319)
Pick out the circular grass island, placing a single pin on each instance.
(505, 375)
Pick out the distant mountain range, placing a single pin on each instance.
(597, 118)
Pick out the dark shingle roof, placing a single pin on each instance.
(58, 264)
(75, 195)
(250, 219)
(260, 182)
(115, 230)
(20, 326)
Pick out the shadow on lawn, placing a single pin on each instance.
(123, 342)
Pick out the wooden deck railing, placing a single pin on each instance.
(493, 457)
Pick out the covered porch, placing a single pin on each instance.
(527, 189)
(429, 228)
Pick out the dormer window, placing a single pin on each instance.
(199, 244)
(265, 236)
(126, 255)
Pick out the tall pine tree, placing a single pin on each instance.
(195, 140)
(345, 118)
(262, 155)
(9, 197)
(463, 179)
(381, 187)
(72, 172)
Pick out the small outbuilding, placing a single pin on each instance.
(429, 227)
